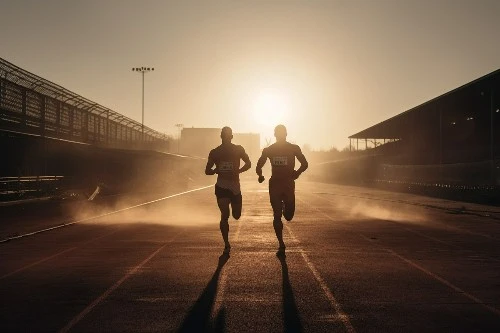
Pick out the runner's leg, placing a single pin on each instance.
(289, 202)
(236, 205)
(223, 204)
(278, 229)
(276, 199)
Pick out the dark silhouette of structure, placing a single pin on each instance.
(448, 146)
(33, 105)
(52, 140)
(461, 126)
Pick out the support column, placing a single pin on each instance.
(42, 115)
(23, 107)
(107, 126)
(58, 117)
(71, 122)
(440, 135)
(492, 136)
(85, 126)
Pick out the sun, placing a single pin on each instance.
(270, 108)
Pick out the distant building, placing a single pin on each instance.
(199, 141)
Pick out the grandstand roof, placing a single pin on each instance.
(398, 126)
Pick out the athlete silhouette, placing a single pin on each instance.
(282, 156)
(226, 159)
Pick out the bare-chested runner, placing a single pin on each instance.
(282, 156)
(226, 159)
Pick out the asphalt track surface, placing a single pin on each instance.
(357, 260)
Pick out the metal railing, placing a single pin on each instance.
(12, 188)
(31, 104)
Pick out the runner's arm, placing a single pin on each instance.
(246, 159)
(210, 164)
(303, 163)
(260, 163)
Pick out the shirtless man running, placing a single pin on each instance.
(282, 156)
(226, 159)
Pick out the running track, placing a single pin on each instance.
(358, 260)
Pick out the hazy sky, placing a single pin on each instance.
(326, 69)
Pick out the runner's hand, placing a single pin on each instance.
(261, 179)
(296, 174)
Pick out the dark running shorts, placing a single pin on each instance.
(225, 193)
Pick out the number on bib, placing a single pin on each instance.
(226, 166)
(280, 160)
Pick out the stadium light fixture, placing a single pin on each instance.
(143, 70)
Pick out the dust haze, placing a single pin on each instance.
(376, 211)
(183, 210)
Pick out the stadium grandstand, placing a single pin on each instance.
(462, 125)
(33, 105)
(451, 142)
(54, 141)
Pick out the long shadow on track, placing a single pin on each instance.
(291, 316)
(198, 318)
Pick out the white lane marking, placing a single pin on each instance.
(437, 277)
(104, 295)
(36, 263)
(102, 215)
(221, 285)
(339, 313)
(422, 234)
(55, 255)
(426, 236)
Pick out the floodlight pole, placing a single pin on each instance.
(143, 70)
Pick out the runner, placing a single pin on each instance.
(282, 156)
(226, 159)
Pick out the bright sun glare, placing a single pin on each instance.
(270, 108)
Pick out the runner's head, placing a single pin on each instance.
(280, 133)
(226, 134)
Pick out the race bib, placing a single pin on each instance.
(226, 166)
(279, 160)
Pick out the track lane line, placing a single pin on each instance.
(339, 312)
(221, 286)
(475, 212)
(36, 263)
(55, 255)
(115, 286)
(101, 215)
(424, 270)
(436, 277)
(449, 227)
